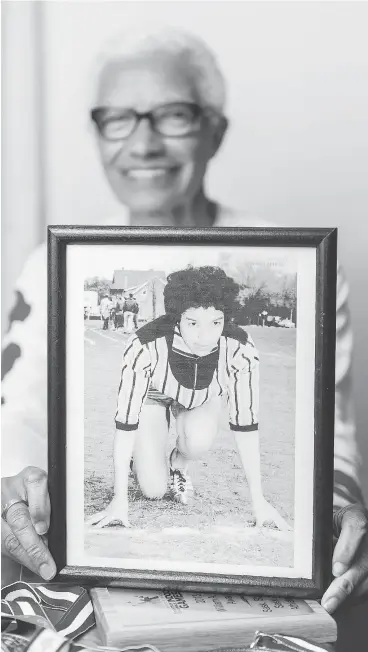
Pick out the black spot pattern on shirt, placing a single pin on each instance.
(12, 351)
(8, 356)
(21, 310)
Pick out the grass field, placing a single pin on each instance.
(217, 527)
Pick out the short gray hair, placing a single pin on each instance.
(207, 76)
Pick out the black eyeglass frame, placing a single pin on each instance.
(199, 112)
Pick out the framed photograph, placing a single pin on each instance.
(191, 407)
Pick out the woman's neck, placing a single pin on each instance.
(200, 212)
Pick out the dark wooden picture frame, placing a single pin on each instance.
(324, 241)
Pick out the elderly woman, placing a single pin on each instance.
(159, 119)
(158, 108)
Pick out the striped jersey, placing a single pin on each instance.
(157, 357)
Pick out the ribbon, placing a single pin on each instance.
(67, 610)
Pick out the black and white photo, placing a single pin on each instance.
(190, 401)
(190, 363)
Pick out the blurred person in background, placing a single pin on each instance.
(131, 310)
(106, 307)
(159, 115)
(118, 311)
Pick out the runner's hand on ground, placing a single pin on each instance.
(266, 514)
(116, 512)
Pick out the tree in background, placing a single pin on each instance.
(99, 285)
(253, 300)
(284, 301)
(265, 287)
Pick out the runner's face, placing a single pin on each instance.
(201, 329)
(148, 171)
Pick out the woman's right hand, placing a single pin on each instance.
(26, 522)
(116, 512)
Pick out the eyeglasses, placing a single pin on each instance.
(170, 120)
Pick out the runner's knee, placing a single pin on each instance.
(153, 488)
(194, 447)
(196, 430)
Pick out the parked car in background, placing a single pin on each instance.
(272, 320)
(91, 305)
(286, 323)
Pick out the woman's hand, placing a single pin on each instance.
(265, 513)
(27, 520)
(350, 559)
(116, 512)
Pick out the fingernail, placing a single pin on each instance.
(47, 571)
(338, 568)
(330, 605)
(41, 527)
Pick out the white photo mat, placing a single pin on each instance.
(83, 260)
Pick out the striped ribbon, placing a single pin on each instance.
(279, 643)
(67, 610)
(38, 640)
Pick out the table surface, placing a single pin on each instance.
(92, 639)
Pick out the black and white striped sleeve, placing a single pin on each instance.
(244, 387)
(134, 383)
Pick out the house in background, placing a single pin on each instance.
(147, 286)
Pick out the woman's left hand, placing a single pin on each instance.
(350, 559)
(265, 513)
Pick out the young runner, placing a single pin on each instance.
(185, 362)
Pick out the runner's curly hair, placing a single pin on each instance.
(200, 287)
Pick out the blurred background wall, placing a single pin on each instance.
(296, 154)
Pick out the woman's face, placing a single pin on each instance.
(201, 329)
(149, 172)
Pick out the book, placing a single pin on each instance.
(175, 621)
